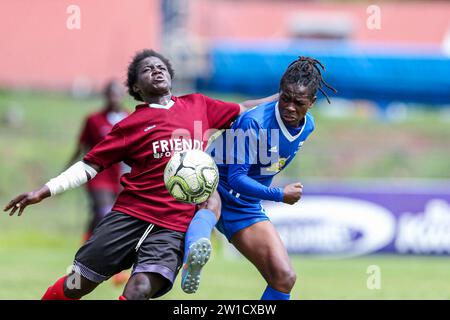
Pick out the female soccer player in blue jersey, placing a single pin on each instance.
(260, 144)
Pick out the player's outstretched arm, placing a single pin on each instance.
(253, 103)
(76, 175)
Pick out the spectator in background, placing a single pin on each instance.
(104, 188)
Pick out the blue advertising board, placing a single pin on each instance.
(345, 220)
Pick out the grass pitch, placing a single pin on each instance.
(38, 247)
(26, 272)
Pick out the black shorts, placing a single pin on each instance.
(121, 241)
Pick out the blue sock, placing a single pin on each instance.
(272, 294)
(200, 227)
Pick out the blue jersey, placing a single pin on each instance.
(247, 166)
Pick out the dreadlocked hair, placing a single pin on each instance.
(305, 72)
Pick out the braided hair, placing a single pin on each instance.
(305, 72)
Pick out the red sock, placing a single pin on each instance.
(86, 236)
(122, 298)
(56, 291)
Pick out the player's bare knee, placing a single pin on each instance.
(291, 279)
(138, 288)
(214, 204)
(283, 280)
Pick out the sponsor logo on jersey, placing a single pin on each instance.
(277, 166)
(165, 148)
(149, 128)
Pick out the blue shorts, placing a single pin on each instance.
(237, 214)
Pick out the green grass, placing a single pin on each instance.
(36, 249)
(29, 265)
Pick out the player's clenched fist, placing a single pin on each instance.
(292, 193)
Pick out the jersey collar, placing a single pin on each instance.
(158, 106)
(285, 131)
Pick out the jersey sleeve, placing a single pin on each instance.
(221, 114)
(246, 155)
(243, 184)
(112, 149)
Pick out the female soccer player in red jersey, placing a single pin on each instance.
(146, 226)
(103, 190)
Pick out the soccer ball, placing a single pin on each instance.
(191, 176)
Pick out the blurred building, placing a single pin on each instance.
(388, 52)
(43, 47)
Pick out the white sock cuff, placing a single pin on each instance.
(73, 177)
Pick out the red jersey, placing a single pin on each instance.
(146, 140)
(95, 129)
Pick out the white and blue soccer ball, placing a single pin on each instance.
(191, 176)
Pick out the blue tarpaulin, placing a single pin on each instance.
(382, 73)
